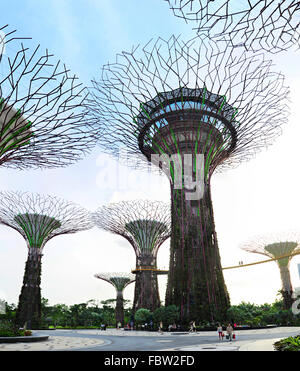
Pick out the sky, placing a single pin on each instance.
(258, 197)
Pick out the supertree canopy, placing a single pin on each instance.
(172, 102)
(256, 24)
(42, 113)
(281, 247)
(145, 225)
(120, 281)
(38, 219)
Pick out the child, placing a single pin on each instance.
(220, 332)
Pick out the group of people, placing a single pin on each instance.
(229, 329)
(229, 332)
(172, 327)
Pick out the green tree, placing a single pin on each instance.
(142, 316)
(168, 315)
(171, 314)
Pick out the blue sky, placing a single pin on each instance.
(262, 195)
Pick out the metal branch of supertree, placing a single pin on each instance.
(255, 24)
(260, 245)
(145, 225)
(38, 218)
(43, 122)
(133, 95)
(120, 280)
(6, 36)
(282, 247)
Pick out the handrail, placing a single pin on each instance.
(262, 261)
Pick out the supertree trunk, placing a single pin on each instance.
(146, 294)
(119, 313)
(29, 307)
(195, 284)
(287, 290)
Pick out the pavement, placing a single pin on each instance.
(247, 340)
(54, 343)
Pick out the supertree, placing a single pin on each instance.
(120, 281)
(255, 24)
(176, 103)
(43, 121)
(146, 226)
(281, 247)
(38, 219)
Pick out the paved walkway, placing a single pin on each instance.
(54, 343)
(246, 345)
(235, 345)
(247, 340)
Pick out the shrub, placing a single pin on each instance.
(168, 315)
(7, 329)
(25, 333)
(291, 343)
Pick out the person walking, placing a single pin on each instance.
(160, 328)
(131, 325)
(192, 326)
(220, 331)
(229, 331)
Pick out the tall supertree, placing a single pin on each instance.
(176, 103)
(146, 226)
(281, 247)
(38, 219)
(120, 281)
(255, 24)
(43, 121)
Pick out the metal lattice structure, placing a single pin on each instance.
(120, 281)
(255, 24)
(38, 219)
(174, 99)
(146, 226)
(275, 246)
(6, 36)
(43, 121)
